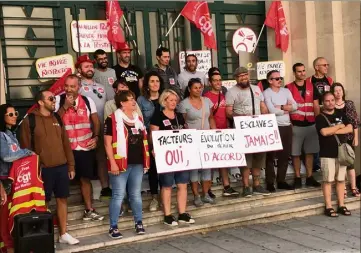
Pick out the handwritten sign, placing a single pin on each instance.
(176, 150)
(259, 133)
(54, 66)
(221, 149)
(229, 83)
(264, 67)
(92, 35)
(204, 59)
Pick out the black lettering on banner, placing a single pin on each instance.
(256, 124)
(175, 139)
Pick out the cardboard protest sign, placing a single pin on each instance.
(221, 149)
(92, 35)
(204, 59)
(264, 67)
(54, 66)
(229, 83)
(259, 133)
(176, 150)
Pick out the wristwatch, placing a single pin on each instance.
(281, 107)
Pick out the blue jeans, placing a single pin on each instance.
(131, 178)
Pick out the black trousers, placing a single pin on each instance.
(282, 155)
(153, 176)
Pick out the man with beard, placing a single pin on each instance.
(244, 99)
(80, 118)
(97, 93)
(166, 72)
(131, 73)
(332, 124)
(103, 74)
(44, 133)
(190, 71)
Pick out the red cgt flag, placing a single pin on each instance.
(114, 14)
(276, 19)
(198, 14)
(57, 88)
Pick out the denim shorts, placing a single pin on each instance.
(206, 175)
(180, 177)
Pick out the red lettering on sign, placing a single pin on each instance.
(261, 140)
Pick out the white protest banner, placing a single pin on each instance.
(54, 66)
(229, 83)
(264, 67)
(204, 59)
(221, 149)
(260, 133)
(92, 34)
(176, 150)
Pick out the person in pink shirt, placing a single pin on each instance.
(218, 99)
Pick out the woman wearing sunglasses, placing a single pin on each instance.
(10, 151)
(197, 113)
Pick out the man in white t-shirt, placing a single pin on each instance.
(81, 122)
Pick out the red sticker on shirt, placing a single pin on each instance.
(172, 81)
(14, 147)
(101, 90)
(257, 94)
(327, 88)
(166, 122)
(86, 88)
(135, 131)
(110, 80)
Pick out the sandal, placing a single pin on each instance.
(343, 210)
(355, 192)
(330, 212)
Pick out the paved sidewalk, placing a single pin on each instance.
(308, 234)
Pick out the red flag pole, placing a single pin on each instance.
(259, 36)
(171, 27)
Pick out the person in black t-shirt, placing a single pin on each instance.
(328, 124)
(320, 79)
(168, 119)
(131, 73)
(128, 158)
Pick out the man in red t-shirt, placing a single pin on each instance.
(219, 113)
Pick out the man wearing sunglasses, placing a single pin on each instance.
(48, 138)
(280, 102)
(245, 99)
(320, 79)
(97, 93)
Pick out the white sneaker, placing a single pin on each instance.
(66, 238)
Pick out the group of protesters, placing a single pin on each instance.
(101, 128)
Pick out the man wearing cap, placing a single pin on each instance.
(167, 73)
(110, 107)
(103, 74)
(244, 99)
(132, 74)
(97, 93)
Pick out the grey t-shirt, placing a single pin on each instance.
(185, 76)
(194, 116)
(282, 97)
(107, 78)
(241, 99)
(97, 93)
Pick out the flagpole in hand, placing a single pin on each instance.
(259, 36)
(130, 32)
(171, 27)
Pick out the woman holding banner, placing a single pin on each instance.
(126, 146)
(168, 119)
(197, 113)
(10, 151)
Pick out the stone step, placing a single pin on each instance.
(80, 228)
(253, 215)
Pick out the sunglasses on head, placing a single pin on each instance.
(98, 94)
(12, 114)
(276, 78)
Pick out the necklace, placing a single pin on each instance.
(341, 104)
